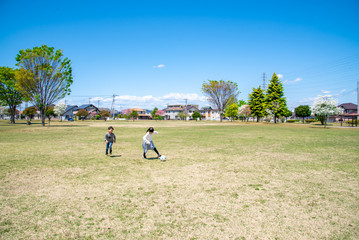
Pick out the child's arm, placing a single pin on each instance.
(106, 138)
(114, 138)
(155, 132)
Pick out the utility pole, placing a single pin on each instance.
(113, 104)
(264, 81)
(89, 100)
(357, 99)
(98, 103)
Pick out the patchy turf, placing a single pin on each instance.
(225, 181)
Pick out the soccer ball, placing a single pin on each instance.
(163, 158)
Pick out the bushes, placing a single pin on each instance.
(350, 122)
(292, 120)
(310, 120)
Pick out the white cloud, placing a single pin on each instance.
(292, 81)
(325, 91)
(280, 76)
(149, 101)
(159, 66)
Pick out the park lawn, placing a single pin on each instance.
(220, 181)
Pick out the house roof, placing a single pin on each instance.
(68, 108)
(174, 109)
(137, 109)
(348, 106)
(86, 106)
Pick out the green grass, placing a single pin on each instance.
(225, 181)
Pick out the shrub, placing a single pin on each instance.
(310, 120)
(292, 120)
(350, 122)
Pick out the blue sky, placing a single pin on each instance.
(151, 53)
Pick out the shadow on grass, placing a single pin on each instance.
(59, 126)
(114, 156)
(10, 124)
(153, 158)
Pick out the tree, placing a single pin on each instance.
(244, 111)
(275, 100)
(49, 112)
(196, 115)
(9, 95)
(303, 111)
(44, 76)
(231, 111)
(241, 102)
(60, 109)
(82, 114)
(153, 113)
(160, 114)
(287, 113)
(30, 112)
(325, 106)
(220, 94)
(182, 115)
(256, 103)
(104, 114)
(134, 115)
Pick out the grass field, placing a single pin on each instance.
(220, 181)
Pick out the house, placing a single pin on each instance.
(70, 112)
(92, 110)
(172, 111)
(210, 114)
(348, 108)
(141, 113)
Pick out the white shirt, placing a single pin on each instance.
(148, 137)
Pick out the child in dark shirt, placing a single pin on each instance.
(110, 138)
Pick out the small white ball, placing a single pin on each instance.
(163, 158)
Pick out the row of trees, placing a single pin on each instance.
(264, 103)
(223, 95)
(43, 77)
(270, 102)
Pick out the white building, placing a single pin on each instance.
(210, 114)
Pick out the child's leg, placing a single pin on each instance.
(110, 147)
(107, 147)
(155, 149)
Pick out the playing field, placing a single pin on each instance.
(220, 181)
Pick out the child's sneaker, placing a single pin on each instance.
(144, 156)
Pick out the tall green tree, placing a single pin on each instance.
(44, 77)
(303, 111)
(275, 100)
(220, 94)
(232, 111)
(256, 103)
(9, 95)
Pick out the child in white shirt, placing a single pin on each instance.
(148, 143)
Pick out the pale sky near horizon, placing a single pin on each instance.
(151, 53)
